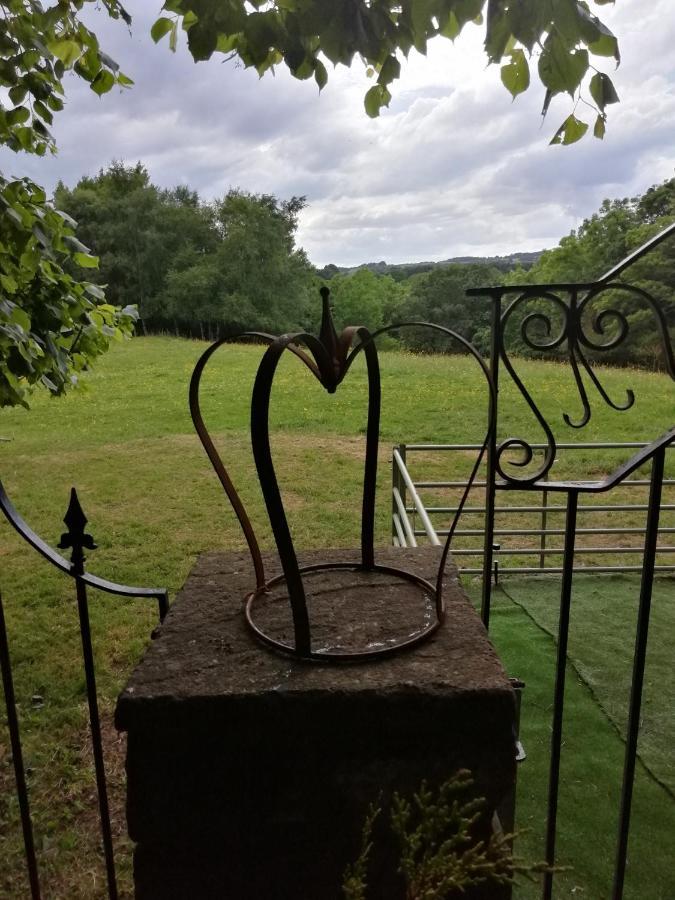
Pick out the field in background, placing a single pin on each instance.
(154, 503)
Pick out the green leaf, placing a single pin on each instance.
(20, 317)
(377, 97)
(65, 50)
(607, 45)
(8, 283)
(571, 131)
(602, 91)
(390, 71)
(17, 94)
(202, 40)
(18, 115)
(320, 74)
(48, 383)
(516, 75)
(86, 260)
(599, 127)
(95, 291)
(41, 110)
(103, 82)
(451, 27)
(161, 27)
(561, 69)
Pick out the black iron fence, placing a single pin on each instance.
(589, 324)
(587, 320)
(77, 541)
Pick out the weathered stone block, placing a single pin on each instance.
(250, 774)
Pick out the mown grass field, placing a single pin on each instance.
(153, 503)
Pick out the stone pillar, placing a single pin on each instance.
(250, 774)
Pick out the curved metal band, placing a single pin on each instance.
(262, 454)
(214, 456)
(488, 434)
(60, 562)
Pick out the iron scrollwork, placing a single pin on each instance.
(571, 319)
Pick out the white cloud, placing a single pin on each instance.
(453, 167)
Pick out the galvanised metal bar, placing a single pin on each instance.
(401, 484)
(405, 521)
(591, 507)
(419, 506)
(642, 634)
(400, 536)
(544, 512)
(580, 445)
(394, 486)
(630, 482)
(557, 551)
(579, 570)
(526, 532)
(17, 758)
(559, 693)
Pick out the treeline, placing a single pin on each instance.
(192, 267)
(215, 268)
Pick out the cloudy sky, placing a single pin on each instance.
(453, 167)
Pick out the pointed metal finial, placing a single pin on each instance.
(75, 537)
(327, 333)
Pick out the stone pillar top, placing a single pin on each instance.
(203, 653)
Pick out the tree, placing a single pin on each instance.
(439, 296)
(52, 322)
(608, 236)
(139, 231)
(254, 276)
(304, 34)
(364, 298)
(39, 253)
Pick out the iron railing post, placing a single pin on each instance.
(77, 540)
(559, 692)
(642, 634)
(96, 739)
(17, 758)
(491, 458)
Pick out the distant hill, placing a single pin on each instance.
(401, 271)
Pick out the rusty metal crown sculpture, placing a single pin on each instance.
(329, 358)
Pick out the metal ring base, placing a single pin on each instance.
(347, 655)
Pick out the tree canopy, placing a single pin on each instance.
(200, 268)
(557, 38)
(53, 321)
(53, 318)
(601, 241)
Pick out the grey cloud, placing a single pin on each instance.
(451, 168)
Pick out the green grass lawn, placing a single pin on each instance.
(602, 634)
(153, 503)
